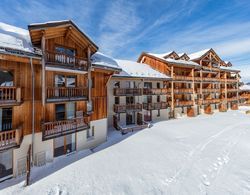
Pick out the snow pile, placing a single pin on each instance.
(198, 54)
(139, 70)
(15, 38)
(103, 60)
(201, 155)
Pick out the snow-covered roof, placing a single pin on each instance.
(229, 68)
(160, 55)
(101, 60)
(138, 70)
(15, 38)
(198, 54)
(245, 87)
(173, 61)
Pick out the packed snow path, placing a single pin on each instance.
(201, 155)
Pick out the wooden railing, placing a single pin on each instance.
(209, 101)
(10, 138)
(183, 90)
(64, 127)
(155, 106)
(210, 68)
(211, 90)
(155, 91)
(127, 92)
(66, 92)
(229, 90)
(129, 107)
(182, 103)
(184, 78)
(10, 94)
(233, 80)
(231, 99)
(211, 79)
(66, 61)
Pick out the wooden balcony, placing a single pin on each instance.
(183, 90)
(232, 99)
(127, 92)
(211, 90)
(64, 127)
(10, 138)
(211, 79)
(156, 91)
(210, 68)
(55, 94)
(10, 96)
(229, 90)
(209, 101)
(232, 80)
(127, 108)
(61, 60)
(182, 103)
(155, 106)
(183, 78)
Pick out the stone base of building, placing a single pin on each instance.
(44, 150)
(208, 109)
(222, 107)
(234, 106)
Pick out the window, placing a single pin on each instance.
(159, 113)
(91, 132)
(5, 119)
(65, 81)
(117, 85)
(148, 85)
(117, 100)
(130, 100)
(158, 85)
(93, 82)
(60, 112)
(158, 98)
(6, 78)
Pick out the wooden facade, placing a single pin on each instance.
(207, 83)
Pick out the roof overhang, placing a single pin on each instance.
(66, 28)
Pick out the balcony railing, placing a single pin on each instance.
(66, 61)
(155, 91)
(66, 93)
(211, 90)
(183, 78)
(10, 95)
(232, 80)
(126, 108)
(209, 101)
(210, 68)
(155, 106)
(211, 79)
(232, 99)
(10, 138)
(179, 103)
(183, 90)
(229, 90)
(127, 92)
(59, 128)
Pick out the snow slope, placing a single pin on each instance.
(201, 155)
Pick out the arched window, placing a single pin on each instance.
(6, 78)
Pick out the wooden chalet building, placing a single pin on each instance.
(202, 81)
(52, 98)
(137, 95)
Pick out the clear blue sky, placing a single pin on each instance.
(125, 28)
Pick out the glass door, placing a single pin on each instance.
(6, 168)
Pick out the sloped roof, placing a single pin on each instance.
(198, 54)
(103, 61)
(15, 38)
(138, 70)
(173, 61)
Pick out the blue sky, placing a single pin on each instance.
(123, 28)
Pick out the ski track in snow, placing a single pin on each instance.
(214, 169)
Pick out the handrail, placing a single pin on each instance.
(66, 92)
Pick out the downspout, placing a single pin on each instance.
(33, 109)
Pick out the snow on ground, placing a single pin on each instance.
(201, 155)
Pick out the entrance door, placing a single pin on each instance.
(6, 169)
(65, 144)
(130, 118)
